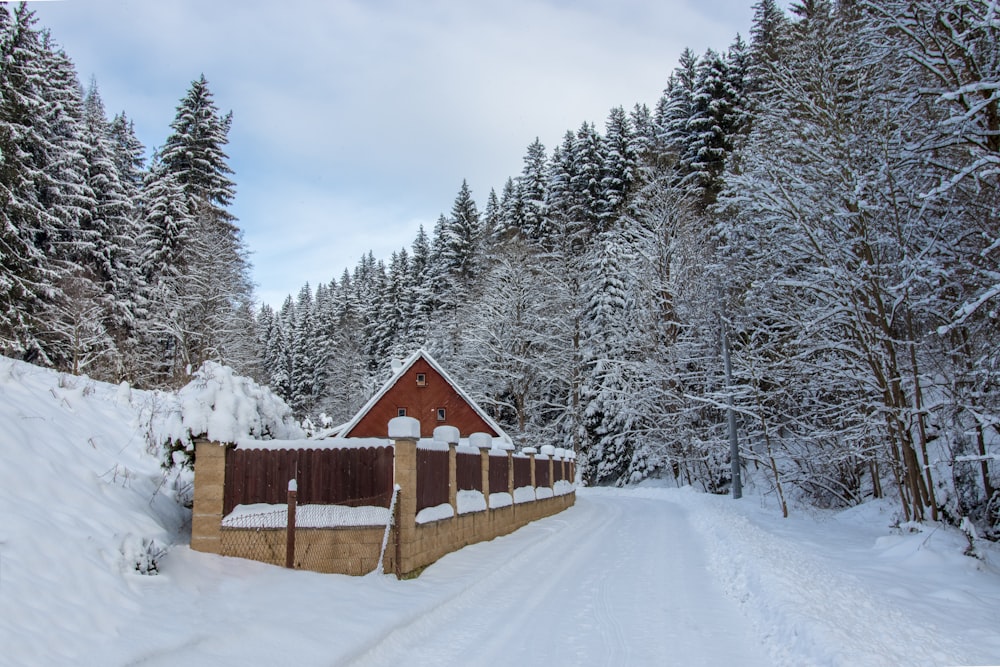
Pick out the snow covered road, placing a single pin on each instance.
(615, 580)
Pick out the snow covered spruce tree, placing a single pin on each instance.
(26, 227)
(455, 266)
(113, 223)
(52, 275)
(206, 315)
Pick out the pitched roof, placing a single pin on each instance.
(400, 372)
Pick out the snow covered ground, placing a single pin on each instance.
(642, 576)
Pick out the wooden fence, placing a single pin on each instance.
(499, 474)
(522, 471)
(469, 471)
(352, 476)
(328, 537)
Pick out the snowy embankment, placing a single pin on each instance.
(632, 577)
(849, 588)
(84, 509)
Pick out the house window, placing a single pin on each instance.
(441, 414)
(400, 412)
(421, 379)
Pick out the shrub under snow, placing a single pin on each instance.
(225, 407)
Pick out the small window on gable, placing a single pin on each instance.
(400, 412)
(421, 379)
(441, 414)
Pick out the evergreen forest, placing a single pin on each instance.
(802, 234)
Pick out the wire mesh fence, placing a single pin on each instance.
(259, 535)
(327, 538)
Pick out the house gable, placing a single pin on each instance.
(423, 390)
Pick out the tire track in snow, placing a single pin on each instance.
(505, 594)
(614, 580)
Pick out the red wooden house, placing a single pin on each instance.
(421, 389)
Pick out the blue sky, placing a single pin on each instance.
(356, 121)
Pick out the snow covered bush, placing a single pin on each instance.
(141, 554)
(222, 406)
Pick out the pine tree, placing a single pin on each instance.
(194, 152)
(421, 298)
(45, 196)
(677, 105)
(510, 217)
(491, 222)
(620, 170)
(129, 155)
(716, 118)
(115, 260)
(24, 224)
(462, 241)
(531, 193)
(167, 234)
(303, 362)
(587, 193)
(218, 286)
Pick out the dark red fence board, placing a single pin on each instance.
(499, 474)
(469, 471)
(432, 478)
(522, 471)
(557, 471)
(350, 476)
(542, 472)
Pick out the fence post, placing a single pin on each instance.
(550, 451)
(531, 451)
(510, 475)
(453, 476)
(405, 432)
(209, 496)
(293, 489)
(484, 442)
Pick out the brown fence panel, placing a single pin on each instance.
(522, 471)
(432, 478)
(469, 471)
(557, 471)
(499, 474)
(542, 472)
(348, 476)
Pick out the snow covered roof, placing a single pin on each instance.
(401, 370)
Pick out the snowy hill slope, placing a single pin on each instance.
(627, 576)
(84, 506)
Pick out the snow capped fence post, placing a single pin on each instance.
(530, 452)
(450, 435)
(293, 489)
(484, 441)
(405, 432)
(550, 451)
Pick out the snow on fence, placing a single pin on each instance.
(337, 498)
